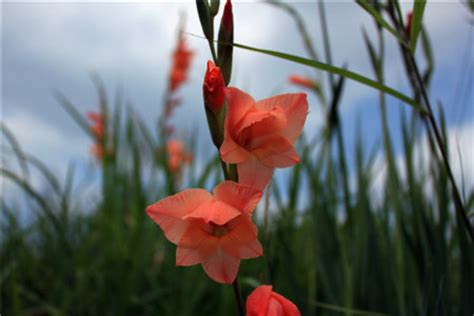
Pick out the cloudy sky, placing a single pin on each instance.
(56, 45)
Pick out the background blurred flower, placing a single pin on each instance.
(213, 230)
(98, 132)
(177, 155)
(264, 302)
(181, 62)
(259, 136)
(302, 81)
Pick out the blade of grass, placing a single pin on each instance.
(416, 23)
(380, 20)
(335, 70)
(20, 155)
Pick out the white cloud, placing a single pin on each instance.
(460, 140)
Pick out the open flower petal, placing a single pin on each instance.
(276, 152)
(215, 211)
(254, 173)
(239, 103)
(187, 256)
(221, 267)
(231, 152)
(295, 106)
(241, 197)
(169, 212)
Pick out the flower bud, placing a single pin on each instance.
(263, 301)
(226, 39)
(301, 81)
(214, 8)
(213, 88)
(408, 25)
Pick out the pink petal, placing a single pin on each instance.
(241, 230)
(249, 250)
(296, 108)
(288, 307)
(261, 123)
(241, 240)
(275, 308)
(168, 212)
(221, 267)
(241, 197)
(258, 301)
(238, 104)
(276, 152)
(231, 152)
(254, 173)
(217, 212)
(187, 256)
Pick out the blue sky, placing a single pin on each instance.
(56, 45)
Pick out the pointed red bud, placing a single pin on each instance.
(227, 17)
(408, 25)
(213, 88)
(226, 38)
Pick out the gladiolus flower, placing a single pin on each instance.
(304, 82)
(408, 25)
(213, 230)
(97, 127)
(98, 151)
(259, 136)
(213, 88)
(98, 131)
(264, 302)
(181, 62)
(177, 156)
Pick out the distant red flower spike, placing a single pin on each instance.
(97, 151)
(169, 130)
(97, 127)
(177, 156)
(213, 88)
(264, 302)
(302, 81)
(181, 63)
(408, 25)
(259, 136)
(95, 117)
(214, 230)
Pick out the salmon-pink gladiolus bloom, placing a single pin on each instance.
(259, 136)
(213, 88)
(213, 230)
(301, 81)
(264, 302)
(177, 156)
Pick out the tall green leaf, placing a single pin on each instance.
(416, 23)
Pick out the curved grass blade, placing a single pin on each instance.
(416, 23)
(380, 20)
(70, 108)
(338, 71)
(20, 155)
(341, 309)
